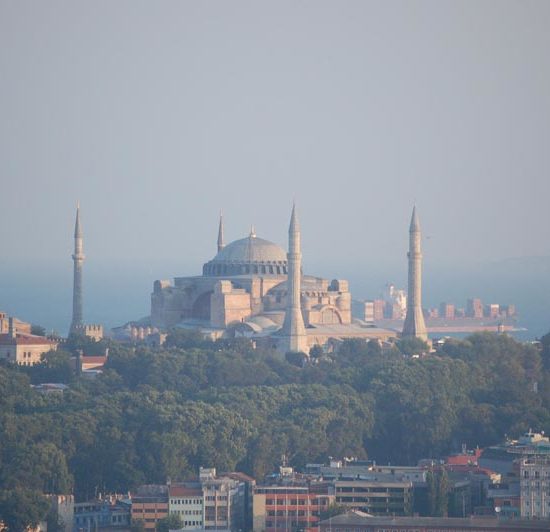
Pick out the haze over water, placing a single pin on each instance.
(119, 292)
(156, 115)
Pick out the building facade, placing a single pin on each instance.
(254, 288)
(288, 507)
(150, 505)
(352, 522)
(212, 502)
(535, 487)
(380, 496)
(100, 514)
(187, 502)
(23, 349)
(21, 326)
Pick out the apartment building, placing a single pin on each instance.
(535, 486)
(288, 507)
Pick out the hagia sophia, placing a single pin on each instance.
(247, 290)
(253, 288)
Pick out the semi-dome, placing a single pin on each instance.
(250, 255)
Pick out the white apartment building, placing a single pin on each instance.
(188, 504)
(211, 503)
(535, 486)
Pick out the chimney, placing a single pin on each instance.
(12, 331)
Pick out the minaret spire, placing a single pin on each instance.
(414, 321)
(78, 261)
(221, 243)
(293, 330)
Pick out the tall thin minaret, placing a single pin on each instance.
(78, 260)
(221, 243)
(414, 321)
(293, 330)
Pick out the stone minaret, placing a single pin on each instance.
(414, 321)
(78, 260)
(221, 243)
(294, 331)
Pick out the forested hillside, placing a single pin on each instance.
(159, 413)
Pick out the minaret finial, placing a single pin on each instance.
(77, 228)
(221, 243)
(252, 231)
(415, 224)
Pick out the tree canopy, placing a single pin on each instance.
(163, 412)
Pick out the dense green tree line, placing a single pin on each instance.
(163, 412)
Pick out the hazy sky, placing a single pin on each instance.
(157, 114)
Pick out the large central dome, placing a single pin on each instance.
(250, 255)
(251, 249)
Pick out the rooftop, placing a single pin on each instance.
(184, 491)
(473, 523)
(25, 339)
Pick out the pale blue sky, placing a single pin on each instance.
(157, 114)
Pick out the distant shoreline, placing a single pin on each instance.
(457, 325)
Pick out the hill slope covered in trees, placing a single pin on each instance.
(159, 413)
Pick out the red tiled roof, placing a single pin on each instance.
(182, 491)
(25, 339)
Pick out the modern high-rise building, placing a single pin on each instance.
(474, 308)
(447, 310)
